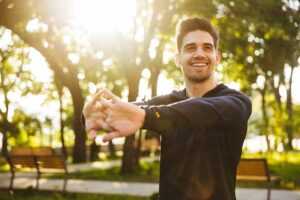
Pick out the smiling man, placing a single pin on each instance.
(197, 56)
(202, 127)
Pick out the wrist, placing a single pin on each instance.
(142, 116)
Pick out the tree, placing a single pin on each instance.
(264, 48)
(15, 15)
(14, 79)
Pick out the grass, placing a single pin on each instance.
(40, 195)
(148, 172)
(284, 165)
(3, 164)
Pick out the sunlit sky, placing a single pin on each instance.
(103, 15)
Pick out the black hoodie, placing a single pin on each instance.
(201, 144)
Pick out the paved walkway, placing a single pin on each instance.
(24, 181)
(138, 189)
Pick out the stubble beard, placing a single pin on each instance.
(198, 79)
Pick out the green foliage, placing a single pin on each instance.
(4, 166)
(255, 45)
(16, 81)
(296, 124)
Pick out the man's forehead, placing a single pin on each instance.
(196, 37)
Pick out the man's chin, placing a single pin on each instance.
(198, 79)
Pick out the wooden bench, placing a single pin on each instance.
(36, 160)
(31, 151)
(255, 170)
(151, 145)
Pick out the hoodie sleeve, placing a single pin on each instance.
(233, 109)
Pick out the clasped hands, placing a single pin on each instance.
(107, 112)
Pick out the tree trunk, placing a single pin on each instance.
(129, 157)
(278, 109)
(265, 128)
(4, 150)
(289, 109)
(276, 93)
(79, 150)
(94, 150)
(153, 81)
(133, 78)
(112, 149)
(138, 148)
(61, 110)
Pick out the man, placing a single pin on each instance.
(202, 127)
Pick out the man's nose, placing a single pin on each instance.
(199, 52)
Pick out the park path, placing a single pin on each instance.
(129, 188)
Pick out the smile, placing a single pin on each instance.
(199, 64)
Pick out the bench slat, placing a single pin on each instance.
(52, 162)
(252, 167)
(255, 169)
(45, 150)
(22, 162)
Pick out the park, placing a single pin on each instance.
(56, 55)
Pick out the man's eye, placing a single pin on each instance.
(190, 48)
(208, 48)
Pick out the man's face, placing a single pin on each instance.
(197, 56)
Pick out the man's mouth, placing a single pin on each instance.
(199, 64)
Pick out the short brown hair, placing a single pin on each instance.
(193, 24)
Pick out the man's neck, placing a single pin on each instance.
(199, 89)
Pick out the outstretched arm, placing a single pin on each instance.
(126, 118)
(229, 110)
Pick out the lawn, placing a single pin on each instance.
(284, 165)
(39, 195)
(148, 172)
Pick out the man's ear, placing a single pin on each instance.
(177, 62)
(218, 57)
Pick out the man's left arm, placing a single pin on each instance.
(126, 118)
(199, 112)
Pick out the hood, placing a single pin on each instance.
(181, 94)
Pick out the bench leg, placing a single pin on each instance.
(11, 184)
(65, 184)
(37, 180)
(269, 192)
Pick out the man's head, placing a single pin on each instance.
(193, 24)
(197, 42)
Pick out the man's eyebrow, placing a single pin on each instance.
(194, 44)
(189, 44)
(208, 44)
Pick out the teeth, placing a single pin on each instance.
(199, 64)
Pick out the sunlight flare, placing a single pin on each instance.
(104, 15)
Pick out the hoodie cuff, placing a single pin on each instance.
(156, 120)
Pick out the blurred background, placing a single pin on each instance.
(54, 55)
